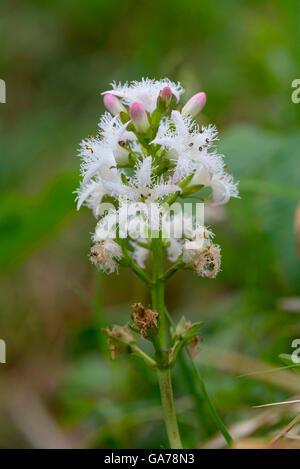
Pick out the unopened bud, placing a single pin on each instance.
(139, 117)
(164, 99)
(185, 330)
(119, 340)
(166, 94)
(113, 104)
(194, 105)
(185, 334)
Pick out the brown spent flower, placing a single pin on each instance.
(194, 345)
(144, 318)
(208, 262)
(187, 325)
(104, 255)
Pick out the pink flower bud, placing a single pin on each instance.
(113, 104)
(194, 105)
(139, 117)
(166, 94)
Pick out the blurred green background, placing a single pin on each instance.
(59, 387)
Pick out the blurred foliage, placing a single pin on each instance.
(25, 222)
(56, 57)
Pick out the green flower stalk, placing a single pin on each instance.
(146, 159)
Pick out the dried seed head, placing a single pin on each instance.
(145, 319)
(104, 255)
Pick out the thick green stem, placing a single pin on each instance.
(158, 302)
(167, 400)
(160, 344)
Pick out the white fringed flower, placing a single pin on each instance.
(145, 91)
(142, 187)
(174, 249)
(107, 149)
(140, 253)
(182, 134)
(92, 192)
(106, 228)
(91, 195)
(172, 227)
(178, 229)
(192, 149)
(175, 223)
(94, 153)
(222, 184)
(133, 219)
(196, 250)
(105, 254)
(188, 145)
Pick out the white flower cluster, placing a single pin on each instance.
(191, 148)
(146, 153)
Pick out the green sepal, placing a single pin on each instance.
(124, 117)
(124, 179)
(186, 181)
(192, 190)
(130, 127)
(133, 157)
